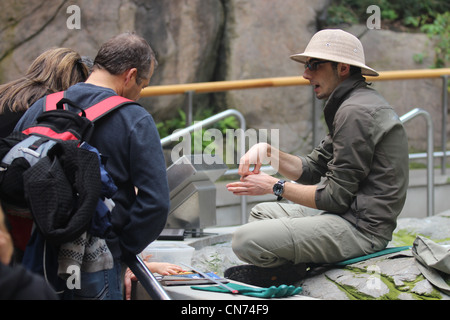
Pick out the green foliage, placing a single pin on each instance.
(439, 31)
(167, 127)
(411, 13)
(338, 14)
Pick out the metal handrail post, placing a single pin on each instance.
(430, 154)
(444, 122)
(190, 107)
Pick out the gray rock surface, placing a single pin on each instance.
(391, 277)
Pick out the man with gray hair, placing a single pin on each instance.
(129, 141)
(345, 196)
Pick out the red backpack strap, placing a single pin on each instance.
(52, 99)
(105, 106)
(94, 112)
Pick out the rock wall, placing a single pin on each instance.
(212, 40)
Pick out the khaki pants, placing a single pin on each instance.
(280, 233)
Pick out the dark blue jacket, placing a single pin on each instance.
(129, 140)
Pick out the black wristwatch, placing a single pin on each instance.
(278, 189)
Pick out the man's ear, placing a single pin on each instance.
(129, 75)
(343, 69)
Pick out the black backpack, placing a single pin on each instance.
(51, 169)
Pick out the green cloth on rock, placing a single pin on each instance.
(372, 255)
(272, 292)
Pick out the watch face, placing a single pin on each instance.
(278, 189)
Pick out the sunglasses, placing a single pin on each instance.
(312, 65)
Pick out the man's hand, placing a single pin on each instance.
(6, 247)
(162, 268)
(253, 185)
(258, 155)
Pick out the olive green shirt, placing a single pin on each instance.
(362, 164)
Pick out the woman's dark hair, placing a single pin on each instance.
(54, 70)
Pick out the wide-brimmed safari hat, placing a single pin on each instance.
(338, 46)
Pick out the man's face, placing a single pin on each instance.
(322, 76)
(135, 91)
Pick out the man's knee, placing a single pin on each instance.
(267, 210)
(277, 210)
(241, 242)
(258, 212)
(260, 242)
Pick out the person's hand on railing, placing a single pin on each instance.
(6, 243)
(162, 268)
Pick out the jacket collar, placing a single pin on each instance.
(339, 95)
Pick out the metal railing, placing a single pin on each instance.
(204, 123)
(429, 154)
